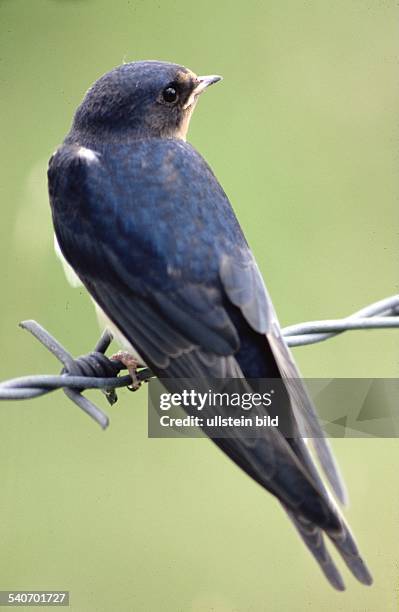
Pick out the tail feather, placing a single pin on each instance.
(313, 537)
(346, 545)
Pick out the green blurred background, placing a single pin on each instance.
(302, 134)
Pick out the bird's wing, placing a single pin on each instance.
(175, 356)
(244, 285)
(183, 329)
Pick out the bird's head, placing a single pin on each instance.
(142, 100)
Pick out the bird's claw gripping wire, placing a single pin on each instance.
(92, 371)
(131, 364)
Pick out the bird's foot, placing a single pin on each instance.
(131, 364)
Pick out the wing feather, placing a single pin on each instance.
(244, 285)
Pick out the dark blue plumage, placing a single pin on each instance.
(143, 221)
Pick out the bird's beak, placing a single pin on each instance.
(203, 83)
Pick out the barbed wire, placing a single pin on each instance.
(96, 371)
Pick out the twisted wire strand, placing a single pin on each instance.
(381, 314)
(96, 371)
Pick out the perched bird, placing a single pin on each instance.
(141, 219)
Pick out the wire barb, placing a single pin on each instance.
(96, 371)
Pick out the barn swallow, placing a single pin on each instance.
(143, 223)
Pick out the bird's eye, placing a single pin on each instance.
(170, 94)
